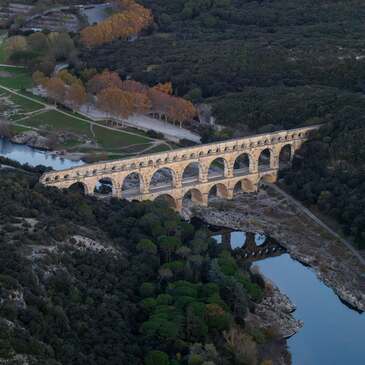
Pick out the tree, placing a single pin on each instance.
(75, 95)
(141, 103)
(68, 78)
(146, 246)
(61, 44)
(15, 43)
(157, 358)
(38, 42)
(116, 102)
(168, 245)
(39, 78)
(104, 80)
(181, 110)
(130, 21)
(56, 89)
(241, 345)
(134, 87)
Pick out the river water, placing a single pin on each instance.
(33, 156)
(333, 334)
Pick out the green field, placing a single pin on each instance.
(108, 140)
(15, 78)
(25, 105)
(55, 121)
(113, 140)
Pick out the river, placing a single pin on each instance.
(333, 334)
(32, 156)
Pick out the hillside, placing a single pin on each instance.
(211, 49)
(90, 282)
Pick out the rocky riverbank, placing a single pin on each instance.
(272, 214)
(275, 311)
(32, 139)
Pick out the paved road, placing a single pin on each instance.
(145, 123)
(318, 221)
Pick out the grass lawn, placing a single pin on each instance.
(159, 148)
(2, 52)
(17, 129)
(16, 78)
(109, 139)
(26, 105)
(53, 120)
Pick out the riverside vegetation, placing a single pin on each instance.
(88, 281)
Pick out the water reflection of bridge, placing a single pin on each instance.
(248, 246)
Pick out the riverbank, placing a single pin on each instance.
(272, 214)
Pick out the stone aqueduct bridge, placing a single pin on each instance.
(231, 178)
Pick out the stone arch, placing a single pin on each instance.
(265, 159)
(260, 239)
(217, 169)
(286, 155)
(191, 173)
(194, 196)
(132, 184)
(244, 186)
(105, 186)
(79, 187)
(167, 199)
(218, 191)
(242, 164)
(163, 178)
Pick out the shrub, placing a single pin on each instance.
(157, 358)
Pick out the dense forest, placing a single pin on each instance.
(229, 49)
(330, 172)
(150, 288)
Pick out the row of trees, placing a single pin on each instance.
(130, 19)
(63, 88)
(118, 98)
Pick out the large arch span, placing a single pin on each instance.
(240, 165)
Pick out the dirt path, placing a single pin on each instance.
(319, 222)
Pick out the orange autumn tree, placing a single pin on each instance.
(76, 95)
(134, 87)
(173, 108)
(104, 80)
(181, 110)
(129, 21)
(116, 102)
(141, 103)
(56, 89)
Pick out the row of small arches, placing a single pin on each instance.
(242, 165)
(166, 179)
